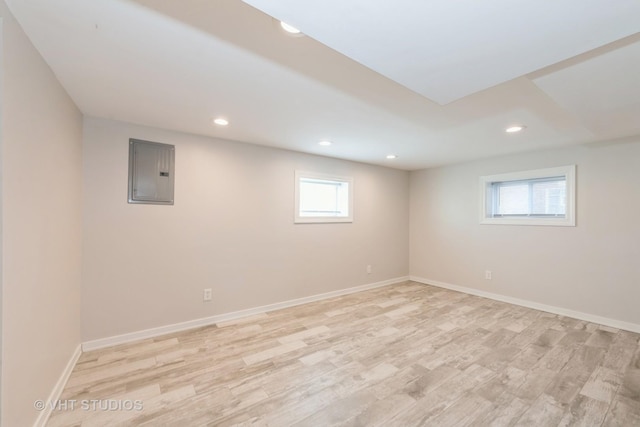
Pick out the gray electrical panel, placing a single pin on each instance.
(151, 169)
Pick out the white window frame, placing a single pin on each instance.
(569, 220)
(299, 175)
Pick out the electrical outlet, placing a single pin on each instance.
(206, 295)
(487, 274)
(368, 269)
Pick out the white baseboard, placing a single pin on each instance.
(177, 327)
(619, 324)
(43, 418)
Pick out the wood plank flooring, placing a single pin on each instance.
(402, 355)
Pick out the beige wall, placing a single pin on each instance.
(592, 268)
(41, 209)
(231, 229)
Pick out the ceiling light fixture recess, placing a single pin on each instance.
(514, 128)
(391, 156)
(289, 28)
(325, 143)
(221, 122)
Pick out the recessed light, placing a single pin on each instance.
(514, 128)
(221, 122)
(289, 28)
(391, 156)
(325, 143)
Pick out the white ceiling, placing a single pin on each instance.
(446, 50)
(178, 64)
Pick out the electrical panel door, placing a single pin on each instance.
(151, 169)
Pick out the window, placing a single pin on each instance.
(538, 197)
(323, 198)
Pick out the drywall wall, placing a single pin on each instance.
(231, 229)
(591, 268)
(1, 179)
(41, 223)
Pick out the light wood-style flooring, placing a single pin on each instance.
(402, 355)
